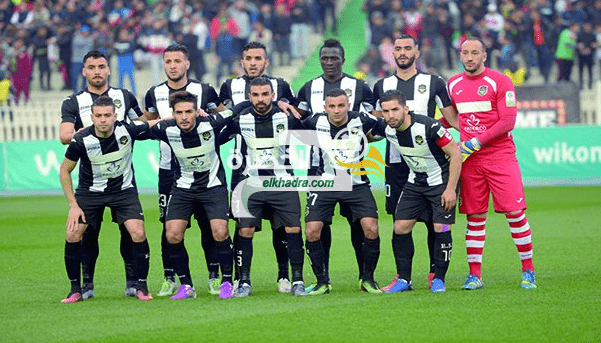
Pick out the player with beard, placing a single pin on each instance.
(235, 92)
(75, 115)
(176, 65)
(424, 93)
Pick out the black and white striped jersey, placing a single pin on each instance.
(157, 101)
(420, 145)
(77, 108)
(105, 164)
(312, 96)
(424, 93)
(235, 91)
(262, 140)
(346, 143)
(198, 164)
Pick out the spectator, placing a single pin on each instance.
(541, 31)
(325, 8)
(266, 16)
(63, 41)
(264, 36)
(124, 47)
(494, 23)
(118, 14)
(587, 46)
(40, 54)
(239, 13)
(200, 30)
(299, 47)
(447, 30)
(281, 33)
(21, 72)
(178, 12)
(224, 48)
(41, 14)
(23, 15)
(155, 40)
(373, 61)
(223, 17)
(415, 21)
(574, 13)
(379, 29)
(566, 47)
(103, 41)
(80, 45)
(430, 24)
(386, 48)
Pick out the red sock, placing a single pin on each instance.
(520, 232)
(474, 241)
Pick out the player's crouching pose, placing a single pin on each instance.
(199, 185)
(106, 179)
(424, 145)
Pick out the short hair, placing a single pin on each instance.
(332, 43)
(335, 92)
(176, 47)
(261, 81)
(254, 45)
(94, 54)
(477, 39)
(103, 101)
(182, 96)
(394, 94)
(406, 36)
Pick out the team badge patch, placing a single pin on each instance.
(421, 89)
(117, 103)
(419, 140)
(206, 135)
(279, 128)
(348, 92)
(510, 99)
(123, 140)
(482, 90)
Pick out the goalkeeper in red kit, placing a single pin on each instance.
(486, 107)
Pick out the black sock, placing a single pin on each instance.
(403, 248)
(167, 264)
(296, 255)
(225, 255)
(141, 252)
(444, 245)
(315, 253)
(208, 246)
(89, 252)
(431, 245)
(237, 255)
(371, 254)
(72, 265)
(357, 239)
(280, 245)
(126, 249)
(244, 255)
(179, 257)
(326, 243)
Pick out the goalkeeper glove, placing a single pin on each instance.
(468, 147)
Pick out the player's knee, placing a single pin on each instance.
(401, 229)
(138, 235)
(246, 232)
(312, 231)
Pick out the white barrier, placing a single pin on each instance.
(590, 105)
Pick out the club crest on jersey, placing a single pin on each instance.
(482, 90)
(279, 128)
(349, 92)
(206, 135)
(123, 140)
(421, 89)
(117, 103)
(419, 140)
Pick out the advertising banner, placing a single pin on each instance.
(555, 104)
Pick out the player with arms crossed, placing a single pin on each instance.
(199, 186)
(432, 183)
(106, 179)
(486, 106)
(75, 114)
(341, 136)
(424, 92)
(176, 65)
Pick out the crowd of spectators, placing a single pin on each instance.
(520, 35)
(55, 35)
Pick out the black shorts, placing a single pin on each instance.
(360, 202)
(165, 185)
(415, 201)
(211, 201)
(285, 207)
(268, 214)
(396, 176)
(124, 205)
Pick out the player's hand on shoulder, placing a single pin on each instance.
(289, 109)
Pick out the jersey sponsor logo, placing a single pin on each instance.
(279, 128)
(117, 103)
(123, 140)
(162, 98)
(421, 89)
(510, 99)
(349, 92)
(316, 92)
(474, 124)
(246, 129)
(482, 90)
(84, 108)
(237, 92)
(113, 167)
(206, 135)
(92, 148)
(419, 140)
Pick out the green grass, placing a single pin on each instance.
(566, 306)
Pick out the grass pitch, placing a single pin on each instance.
(566, 307)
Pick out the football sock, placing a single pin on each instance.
(225, 254)
(474, 242)
(209, 248)
(237, 255)
(280, 245)
(371, 254)
(141, 252)
(326, 243)
(72, 262)
(443, 247)
(89, 252)
(520, 232)
(167, 265)
(179, 257)
(315, 253)
(244, 256)
(357, 239)
(296, 254)
(431, 246)
(126, 249)
(403, 248)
